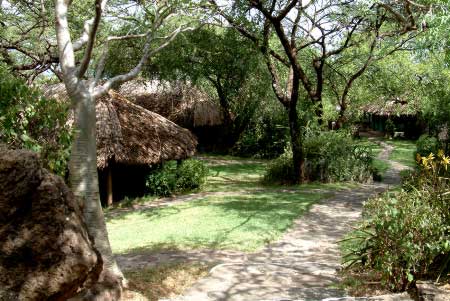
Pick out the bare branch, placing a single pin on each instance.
(99, 5)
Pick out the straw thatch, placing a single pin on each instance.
(398, 106)
(181, 103)
(132, 135)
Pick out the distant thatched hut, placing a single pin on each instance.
(402, 112)
(129, 140)
(181, 103)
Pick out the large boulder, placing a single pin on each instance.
(45, 249)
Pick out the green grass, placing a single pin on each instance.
(404, 152)
(234, 176)
(240, 214)
(239, 222)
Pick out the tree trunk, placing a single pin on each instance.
(109, 187)
(84, 179)
(298, 156)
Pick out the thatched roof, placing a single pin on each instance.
(132, 135)
(181, 103)
(398, 106)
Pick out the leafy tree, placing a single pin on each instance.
(287, 32)
(29, 120)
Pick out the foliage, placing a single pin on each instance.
(405, 236)
(174, 178)
(266, 136)
(330, 157)
(390, 127)
(280, 170)
(427, 144)
(28, 120)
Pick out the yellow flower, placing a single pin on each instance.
(430, 157)
(425, 161)
(445, 161)
(441, 153)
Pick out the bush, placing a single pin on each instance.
(29, 120)
(405, 236)
(336, 157)
(330, 157)
(280, 170)
(265, 137)
(191, 174)
(427, 144)
(173, 178)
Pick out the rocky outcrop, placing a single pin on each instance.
(45, 250)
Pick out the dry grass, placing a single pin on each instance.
(165, 281)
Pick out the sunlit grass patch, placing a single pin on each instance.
(242, 222)
(165, 281)
(404, 152)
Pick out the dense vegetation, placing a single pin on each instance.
(295, 82)
(29, 120)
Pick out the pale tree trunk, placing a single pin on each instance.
(84, 181)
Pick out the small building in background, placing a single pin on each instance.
(403, 114)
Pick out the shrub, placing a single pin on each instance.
(280, 170)
(427, 144)
(405, 236)
(175, 178)
(29, 120)
(330, 157)
(265, 137)
(191, 174)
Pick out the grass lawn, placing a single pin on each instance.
(243, 222)
(404, 152)
(240, 214)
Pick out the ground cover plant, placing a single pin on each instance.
(405, 235)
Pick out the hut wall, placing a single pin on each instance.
(127, 181)
(410, 125)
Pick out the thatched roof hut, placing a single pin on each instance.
(402, 111)
(398, 106)
(129, 139)
(129, 134)
(181, 103)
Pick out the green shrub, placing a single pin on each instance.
(427, 144)
(29, 120)
(280, 170)
(402, 237)
(405, 236)
(174, 178)
(336, 157)
(265, 137)
(191, 174)
(330, 157)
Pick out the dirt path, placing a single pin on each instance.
(300, 266)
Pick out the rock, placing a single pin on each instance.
(427, 291)
(45, 250)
